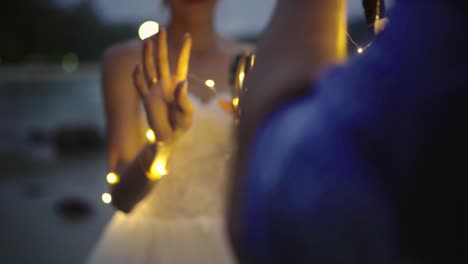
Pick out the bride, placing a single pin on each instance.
(174, 212)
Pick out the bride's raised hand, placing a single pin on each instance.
(164, 96)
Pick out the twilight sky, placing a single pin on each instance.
(235, 17)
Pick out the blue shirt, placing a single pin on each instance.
(363, 169)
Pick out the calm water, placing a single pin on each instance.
(46, 105)
(34, 178)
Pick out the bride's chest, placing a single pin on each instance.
(208, 76)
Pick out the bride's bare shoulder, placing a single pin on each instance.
(122, 56)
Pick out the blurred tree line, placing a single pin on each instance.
(357, 29)
(39, 31)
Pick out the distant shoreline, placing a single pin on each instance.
(47, 72)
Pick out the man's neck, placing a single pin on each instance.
(310, 44)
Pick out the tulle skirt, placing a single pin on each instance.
(129, 239)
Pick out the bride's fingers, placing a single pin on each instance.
(148, 62)
(184, 59)
(161, 125)
(139, 81)
(182, 116)
(181, 98)
(164, 72)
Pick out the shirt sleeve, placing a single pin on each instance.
(310, 198)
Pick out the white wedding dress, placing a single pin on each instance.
(182, 219)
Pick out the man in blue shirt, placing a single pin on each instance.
(363, 163)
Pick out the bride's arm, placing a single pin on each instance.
(134, 183)
(168, 113)
(126, 143)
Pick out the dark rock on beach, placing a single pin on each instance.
(73, 209)
(76, 138)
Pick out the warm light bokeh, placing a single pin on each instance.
(241, 78)
(158, 168)
(210, 83)
(112, 178)
(235, 102)
(148, 29)
(150, 136)
(106, 198)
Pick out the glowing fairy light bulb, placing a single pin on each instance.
(252, 60)
(241, 78)
(235, 101)
(360, 50)
(150, 136)
(148, 29)
(106, 198)
(112, 178)
(210, 83)
(158, 168)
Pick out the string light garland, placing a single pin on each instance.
(374, 10)
(243, 63)
(156, 171)
(158, 168)
(359, 49)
